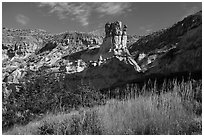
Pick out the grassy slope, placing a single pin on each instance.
(171, 112)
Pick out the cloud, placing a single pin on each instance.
(78, 11)
(112, 8)
(82, 11)
(51, 4)
(23, 20)
(147, 28)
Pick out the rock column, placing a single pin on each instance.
(124, 40)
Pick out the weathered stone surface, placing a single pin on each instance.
(163, 58)
(176, 49)
(173, 50)
(34, 82)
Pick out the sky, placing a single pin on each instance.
(140, 17)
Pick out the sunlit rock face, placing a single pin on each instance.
(103, 60)
(38, 50)
(36, 65)
(171, 52)
(109, 64)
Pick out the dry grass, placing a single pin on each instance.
(171, 112)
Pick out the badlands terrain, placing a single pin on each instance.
(49, 88)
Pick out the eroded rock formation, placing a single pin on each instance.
(114, 45)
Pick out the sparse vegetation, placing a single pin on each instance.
(41, 97)
(171, 109)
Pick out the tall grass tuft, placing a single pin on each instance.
(171, 109)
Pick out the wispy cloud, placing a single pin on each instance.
(78, 11)
(147, 28)
(112, 8)
(22, 19)
(82, 11)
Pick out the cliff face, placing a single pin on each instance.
(173, 52)
(37, 65)
(177, 49)
(36, 49)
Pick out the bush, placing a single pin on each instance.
(40, 94)
(171, 112)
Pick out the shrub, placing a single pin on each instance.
(171, 112)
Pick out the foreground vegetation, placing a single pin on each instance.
(175, 108)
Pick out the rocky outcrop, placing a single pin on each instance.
(38, 49)
(176, 49)
(170, 53)
(37, 76)
(108, 64)
(106, 75)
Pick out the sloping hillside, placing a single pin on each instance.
(176, 49)
(174, 52)
(168, 37)
(37, 82)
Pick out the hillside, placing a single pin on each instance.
(35, 47)
(169, 53)
(44, 73)
(181, 43)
